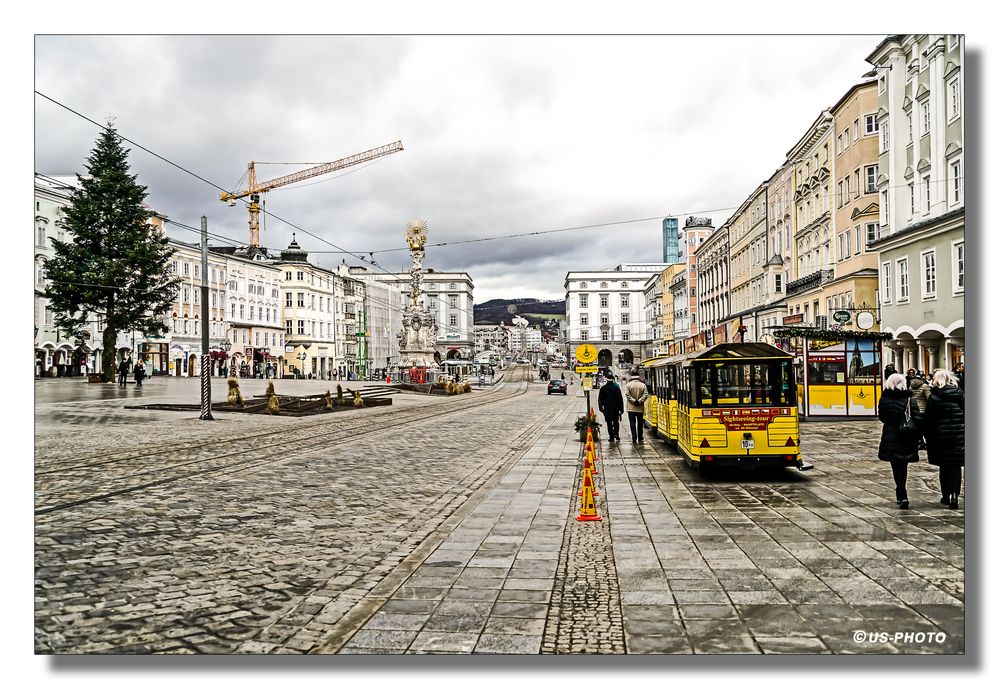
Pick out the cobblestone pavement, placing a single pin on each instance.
(357, 547)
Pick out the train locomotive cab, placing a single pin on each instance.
(737, 406)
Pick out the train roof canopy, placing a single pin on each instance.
(729, 350)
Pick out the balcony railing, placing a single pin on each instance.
(809, 282)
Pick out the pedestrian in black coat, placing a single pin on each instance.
(611, 403)
(123, 369)
(943, 425)
(897, 448)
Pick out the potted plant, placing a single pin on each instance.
(587, 421)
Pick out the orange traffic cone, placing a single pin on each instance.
(590, 462)
(587, 507)
(588, 477)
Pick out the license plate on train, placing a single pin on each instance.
(748, 444)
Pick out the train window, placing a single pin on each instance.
(741, 384)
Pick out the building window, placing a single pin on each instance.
(584, 334)
(604, 319)
(582, 285)
(903, 279)
(287, 327)
(287, 298)
(953, 98)
(583, 301)
(453, 301)
(453, 319)
(926, 184)
(287, 275)
(605, 335)
(187, 268)
(846, 249)
(241, 312)
(873, 232)
(301, 327)
(958, 269)
(871, 176)
(778, 287)
(301, 299)
(925, 119)
(912, 199)
(625, 334)
(870, 124)
(885, 283)
(955, 183)
(301, 275)
(624, 300)
(626, 318)
(603, 301)
(884, 206)
(929, 269)
(884, 140)
(584, 319)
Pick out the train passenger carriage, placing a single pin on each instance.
(735, 406)
(651, 404)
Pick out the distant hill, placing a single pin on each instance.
(535, 311)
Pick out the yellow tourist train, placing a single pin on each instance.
(733, 404)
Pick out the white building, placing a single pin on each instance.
(253, 312)
(491, 338)
(449, 297)
(56, 351)
(606, 309)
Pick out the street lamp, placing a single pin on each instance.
(302, 356)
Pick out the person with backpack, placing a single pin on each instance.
(900, 433)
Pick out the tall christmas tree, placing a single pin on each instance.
(114, 268)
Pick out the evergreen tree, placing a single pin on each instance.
(114, 267)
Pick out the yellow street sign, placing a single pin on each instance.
(587, 369)
(586, 354)
(587, 383)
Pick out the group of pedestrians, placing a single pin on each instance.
(613, 402)
(138, 371)
(917, 414)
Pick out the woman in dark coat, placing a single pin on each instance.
(897, 448)
(943, 426)
(140, 373)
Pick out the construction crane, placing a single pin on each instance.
(254, 190)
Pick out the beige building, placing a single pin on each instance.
(667, 306)
(308, 314)
(812, 157)
(856, 215)
(713, 274)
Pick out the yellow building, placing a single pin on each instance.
(856, 216)
(667, 307)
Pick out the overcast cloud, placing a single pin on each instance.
(502, 135)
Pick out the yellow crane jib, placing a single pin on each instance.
(253, 189)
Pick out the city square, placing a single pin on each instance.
(160, 533)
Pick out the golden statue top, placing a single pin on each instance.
(416, 234)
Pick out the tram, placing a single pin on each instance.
(733, 404)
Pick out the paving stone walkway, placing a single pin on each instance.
(357, 547)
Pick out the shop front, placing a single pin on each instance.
(839, 373)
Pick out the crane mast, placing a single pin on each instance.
(254, 190)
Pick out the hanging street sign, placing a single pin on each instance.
(842, 317)
(587, 383)
(865, 320)
(586, 369)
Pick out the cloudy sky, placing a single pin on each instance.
(502, 135)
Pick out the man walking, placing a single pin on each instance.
(636, 393)
(611, 405)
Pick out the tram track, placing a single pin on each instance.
(281, 439)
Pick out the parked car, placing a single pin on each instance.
(523, 361)
(558, 385)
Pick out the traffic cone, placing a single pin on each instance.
(588, 478)
(590, 462)
(587, 506)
